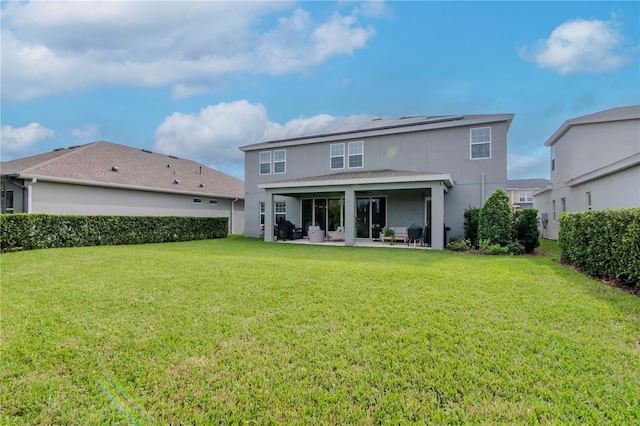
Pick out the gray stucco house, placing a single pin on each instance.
(595, 165)
(387, 172)
(110, 179)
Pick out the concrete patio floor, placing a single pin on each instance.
(359, 243)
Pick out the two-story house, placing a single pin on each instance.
(595, 165)
(387, 172)
(521, 191)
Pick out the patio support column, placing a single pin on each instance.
(268, 217)
(437, 216)
(349, 217)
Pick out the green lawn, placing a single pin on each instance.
(238, 331)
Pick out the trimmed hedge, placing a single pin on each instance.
(38, 231)
(603, 244)
(495, 220)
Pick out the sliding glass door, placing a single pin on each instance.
(371, 216)
(328, 214)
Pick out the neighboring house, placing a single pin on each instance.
(595, 165)
(387, 172)
(103, 178)
(521, 191)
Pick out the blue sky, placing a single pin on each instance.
(200, 79)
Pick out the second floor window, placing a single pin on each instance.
(356, 154)
(279, 161)
(336, 156)
(526, 197)
(265, 163)
(481, 142)
(553, 157)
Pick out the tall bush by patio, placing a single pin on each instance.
(525, 229)
(495, 220)
(471, 217)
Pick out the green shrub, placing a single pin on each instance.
(35, 231)
(525, 229)
(471, 217)
(603, 243)
(463, 245)
(495, 220)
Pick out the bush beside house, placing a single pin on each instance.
(603, 244)
(495, 220)
(37, 231)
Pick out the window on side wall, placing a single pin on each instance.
(8, 201)
(553, 209)
(589, 200)
(281, 211)
(563, 205)
(356, 154)
(481, 142)
(265, 163)
(262, 213)
(336, 156)
(553, 157)
(279, 161)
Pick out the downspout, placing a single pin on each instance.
(483, 189)
(233, 211)
(30, 194)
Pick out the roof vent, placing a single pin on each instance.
(177, 182)
(74, 146)
(59, 149)
(168, 165)
(202, 185)
(115, 168)
(377, 119)
(147, 151)
(173, 156)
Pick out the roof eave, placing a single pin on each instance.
(445, 178)
(123, 186)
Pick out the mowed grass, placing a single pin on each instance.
(238, 331)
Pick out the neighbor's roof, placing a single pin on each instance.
(527, 183)
(384, 126)
(108, 164)
(613, 114)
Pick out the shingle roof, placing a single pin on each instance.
(96, 163)
(527, 183)
(614, 114)
(372, 174)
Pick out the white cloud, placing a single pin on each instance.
(87, 131)
(580, 46)
(525, 167)
(214, 135)
(61, 47)
(19, 139)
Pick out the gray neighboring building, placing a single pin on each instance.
(387, 172)
(521, 191)
(595, 165)
(103, 178)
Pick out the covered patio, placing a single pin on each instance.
(398, 197)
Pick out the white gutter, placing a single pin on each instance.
(30, 194)
(118, 186)
(233, 211)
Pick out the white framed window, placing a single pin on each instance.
(265, 163)
(526, 197)
(212, 201)
(481, 142)
(553, 157)
(336, 156)
(197, 200)
(356, 154)
(553, 209)
(280, 210)
(563, 205)
(261, 212)
(8, 201)
(588, 200)
(279, 161)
